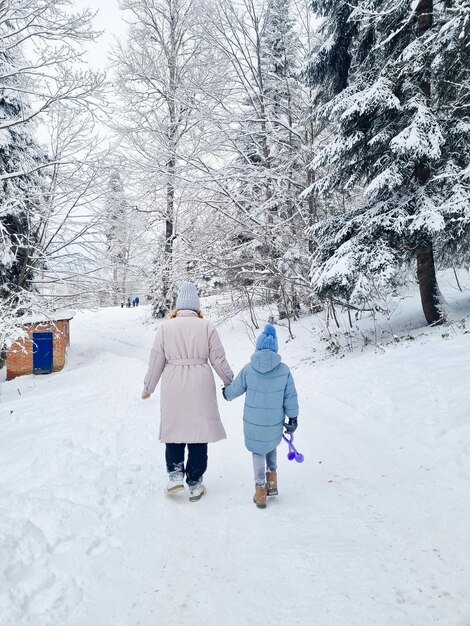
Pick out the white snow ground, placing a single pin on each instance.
(372, 529)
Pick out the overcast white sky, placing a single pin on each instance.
(109, 20)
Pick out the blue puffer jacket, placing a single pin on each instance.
(270, 396)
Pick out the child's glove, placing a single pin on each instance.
(291, 425)
(223, 393)
(145, 395)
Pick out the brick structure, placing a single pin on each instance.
(20, 354)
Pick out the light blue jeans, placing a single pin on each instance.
(263, 463)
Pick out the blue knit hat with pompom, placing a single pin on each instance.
(268, 339)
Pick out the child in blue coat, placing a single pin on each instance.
(270, 397)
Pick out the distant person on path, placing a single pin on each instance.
(270, 397)
(136, 301)
(128, 302)
(122, 304)
(183, 348)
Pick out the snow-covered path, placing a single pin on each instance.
(371, 530)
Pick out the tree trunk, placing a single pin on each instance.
(281, 304)
(166, 300)
(312, 209)
(428, 287)
(115, 287)
(426, 270)
(167, 272)
(167, 296)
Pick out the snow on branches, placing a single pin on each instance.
(395, 133)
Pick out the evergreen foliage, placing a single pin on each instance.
(22, 197)
(399, 147)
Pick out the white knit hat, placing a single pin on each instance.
(188, 298)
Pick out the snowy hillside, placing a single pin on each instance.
(372, 529)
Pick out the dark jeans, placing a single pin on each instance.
(196, 464)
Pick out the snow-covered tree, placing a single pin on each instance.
(71, 223)
(127, 254)
(162, 79)
(39, 44)
(22, 198)
(330, 58)
(450, 53)
(118, 235)
(263, 136)
(394, 125)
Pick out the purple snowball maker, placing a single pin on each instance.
(293, 453)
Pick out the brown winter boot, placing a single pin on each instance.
(260, 496)
(271, 483)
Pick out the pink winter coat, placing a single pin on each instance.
(181, 353)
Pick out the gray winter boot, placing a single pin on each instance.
(173, 487)
(196, 492)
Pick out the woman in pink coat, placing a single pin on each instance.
(183, 348)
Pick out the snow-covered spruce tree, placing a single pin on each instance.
(326, 71)
(330, 60)
(393, 137)
(450, 50)
(22, 197)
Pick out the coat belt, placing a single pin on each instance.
(187, 362)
